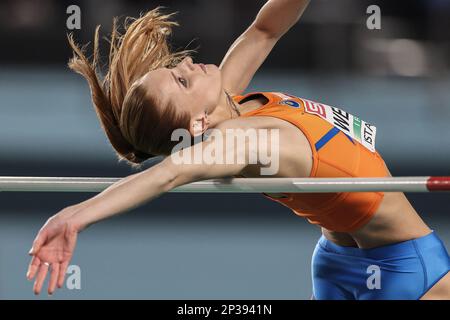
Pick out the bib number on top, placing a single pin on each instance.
(352, 126)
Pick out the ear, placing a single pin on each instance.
(199, 124)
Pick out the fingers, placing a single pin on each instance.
(53, 278)
(38, 242)
(33, 267)
(57, 274)
(42, 273)
(62, 273)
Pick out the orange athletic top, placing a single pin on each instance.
(342, 146)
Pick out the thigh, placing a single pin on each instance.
(440, 291)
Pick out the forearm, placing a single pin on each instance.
(276, 17)
(86, 203)
(124, 195)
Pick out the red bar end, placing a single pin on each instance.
(438, 184)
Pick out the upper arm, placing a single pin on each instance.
(249, 51)
(227, 152)
(244, 58)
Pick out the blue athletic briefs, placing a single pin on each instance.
(405, 270)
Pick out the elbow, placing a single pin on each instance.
(264, 31)
(169, 181)
(161, 176)
(168, 175)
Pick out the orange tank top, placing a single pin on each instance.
(342, 146)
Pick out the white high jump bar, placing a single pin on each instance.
(239, 185)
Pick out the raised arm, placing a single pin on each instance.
(249, 51)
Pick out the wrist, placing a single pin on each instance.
(78, 216)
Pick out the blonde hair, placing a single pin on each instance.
(130, 119)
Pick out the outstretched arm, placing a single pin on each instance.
(55, 243)
(249, 51)
(147, 185)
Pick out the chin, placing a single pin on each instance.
(213, 67)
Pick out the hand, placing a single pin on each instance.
(52, 249)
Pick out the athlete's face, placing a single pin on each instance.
(188, 86)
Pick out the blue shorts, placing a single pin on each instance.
(401, 271)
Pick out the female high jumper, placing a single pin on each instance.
(149, 92)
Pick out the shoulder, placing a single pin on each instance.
(286, 132)
(237, 123)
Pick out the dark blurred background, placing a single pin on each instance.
(210, 245)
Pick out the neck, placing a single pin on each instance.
(223, 111)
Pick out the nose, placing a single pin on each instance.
(189, 63)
